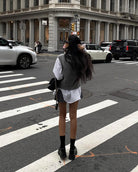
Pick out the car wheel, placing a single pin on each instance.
(108, 58)
(24, 61)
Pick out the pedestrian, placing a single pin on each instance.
(36, 46)
(71, 69)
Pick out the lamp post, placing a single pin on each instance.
(76, 20)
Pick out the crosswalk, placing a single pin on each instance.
(50, 162)
(129, 63)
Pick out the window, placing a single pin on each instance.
(103, 4)
(4, 5)
(121, 5)
(3, 42)
(36, 2)
(68, 1)
(112, 5)
(94, 3)
(11, 5)
(46, 1)
(83, 2)
(26, 3)
(19, 4)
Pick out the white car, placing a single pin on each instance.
(106, 45)
(97, 53)
(16, 55)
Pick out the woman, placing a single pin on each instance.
(71, 69)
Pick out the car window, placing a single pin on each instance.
(3, 42)
(97, 47)
(90, 47)
(118, 43)
(131, 43)
(105, 44)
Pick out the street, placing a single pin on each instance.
(107, 120)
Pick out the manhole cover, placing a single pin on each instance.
(127, 93)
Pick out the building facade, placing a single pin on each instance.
(50, 21)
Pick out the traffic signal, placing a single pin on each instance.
(72, 26)
(78, 33)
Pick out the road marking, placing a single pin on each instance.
(21, 95)
(6, 76)
(91, 155)
(17, 80)
(5, 129)
(25, 109)
(50, 162)
(23, 86)
(6, 72)
(50, 123)
(135, 169)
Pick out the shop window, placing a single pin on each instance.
(83, 2)
(11, 5)
(46, 1)
(103, 5)
(102, 32)
(92, 32)
(94, 3)
(4, 29)
(112, 5)
(19, 4)
(60, 1)
(26, 3)
(36, 2)
(4, 5)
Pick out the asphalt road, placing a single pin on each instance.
(107, 120)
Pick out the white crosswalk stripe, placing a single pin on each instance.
(31, 130)
(5, 72)
(23, 86)
(21, 95)
(135, 169)
(49, 162)
(17, 80)
(6, 76)
(125, 62)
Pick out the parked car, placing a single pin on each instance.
(16, 55)
(124, 48)
(17, 43)
(97, 53)
(105, 45)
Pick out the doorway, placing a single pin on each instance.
(63, 31)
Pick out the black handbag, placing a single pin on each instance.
(52, 84)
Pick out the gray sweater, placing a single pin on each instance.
(69, 81)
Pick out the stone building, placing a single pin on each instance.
(50, 21)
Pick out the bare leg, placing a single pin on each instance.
(73, 119)
(62, 117)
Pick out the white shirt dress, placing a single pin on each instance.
(70, 96)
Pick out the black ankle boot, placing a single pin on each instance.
(62, 153)
(72, 153)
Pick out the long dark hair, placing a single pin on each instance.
(79, 59)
